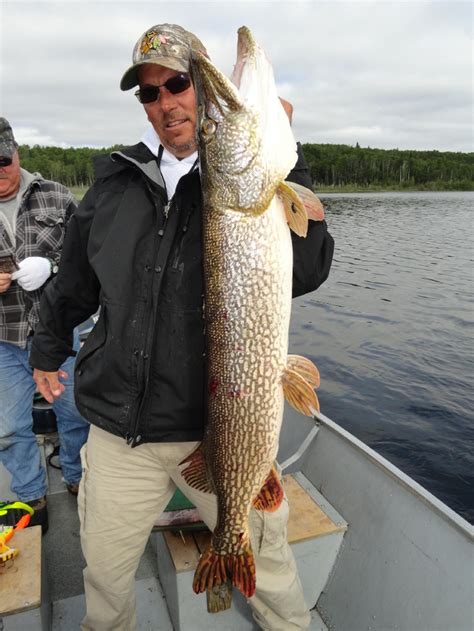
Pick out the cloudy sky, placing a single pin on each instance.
(383, 74)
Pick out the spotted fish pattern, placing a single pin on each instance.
(248, 263)
(248, 289)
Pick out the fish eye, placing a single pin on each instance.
(208, 127)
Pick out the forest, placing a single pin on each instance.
(339, 166)
(332, 167)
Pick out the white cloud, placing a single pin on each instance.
(32, 136)
(387, 74)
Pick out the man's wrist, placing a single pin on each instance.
(53, 266)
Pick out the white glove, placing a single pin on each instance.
(33, 272)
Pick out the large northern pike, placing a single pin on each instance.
(247, 149)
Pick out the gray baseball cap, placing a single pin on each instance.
(7, 139)
(166, 45)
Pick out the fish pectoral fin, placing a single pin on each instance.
(305, 368)
(195, 472)
(295, 212)
(271, 494)
(312, 204)
(299, 393)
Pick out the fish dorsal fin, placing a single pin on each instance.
(195, 472)
(294, 209)
(299, 393)
(305, 368)
(313, 206)
(271, 494)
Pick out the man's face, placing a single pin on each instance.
(10, 178)
(173, 116)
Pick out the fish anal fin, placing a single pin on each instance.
(294, 209)
(299, 393)
(271, 494)
(312, 204)
(195, 472)
(305, 368)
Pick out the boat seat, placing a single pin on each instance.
(23, 602)
(315, 532)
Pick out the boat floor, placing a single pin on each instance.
(64, 565)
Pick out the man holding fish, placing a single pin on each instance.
(180, 294)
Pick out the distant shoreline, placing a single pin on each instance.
(332, 168)
(374, 189)
(80, 191)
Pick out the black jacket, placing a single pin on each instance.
(140, 373)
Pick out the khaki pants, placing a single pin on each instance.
(123, 491)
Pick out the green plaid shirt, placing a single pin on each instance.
(43, 213)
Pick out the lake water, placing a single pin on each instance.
(391, 331)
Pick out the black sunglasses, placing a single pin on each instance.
(175, 85)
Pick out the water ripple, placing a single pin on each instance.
(391, 332)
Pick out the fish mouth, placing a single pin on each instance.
(212, 86)
(246, 50)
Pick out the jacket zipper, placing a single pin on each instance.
(143, 374)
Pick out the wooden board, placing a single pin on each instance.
(307, 520)
(203, 539)
(20, 582)
(183, 550)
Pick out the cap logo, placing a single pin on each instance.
(151, 41)
(168, 45)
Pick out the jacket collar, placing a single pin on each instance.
(137, 156)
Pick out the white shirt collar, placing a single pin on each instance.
(171, 168)
(151, 139)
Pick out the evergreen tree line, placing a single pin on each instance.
(343, 165)
(330, 166)
(72, 166)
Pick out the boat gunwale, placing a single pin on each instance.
(447, 513)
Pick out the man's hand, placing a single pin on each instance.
(34, 271)
(5, 282)
(48, 383)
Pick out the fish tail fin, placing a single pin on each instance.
(299, 379)
(271, 494)
(243, 571)
(214, 569)
(195, 472)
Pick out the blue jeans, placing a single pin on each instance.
(18, 448)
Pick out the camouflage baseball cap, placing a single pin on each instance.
(163, 44)
(7, 139)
